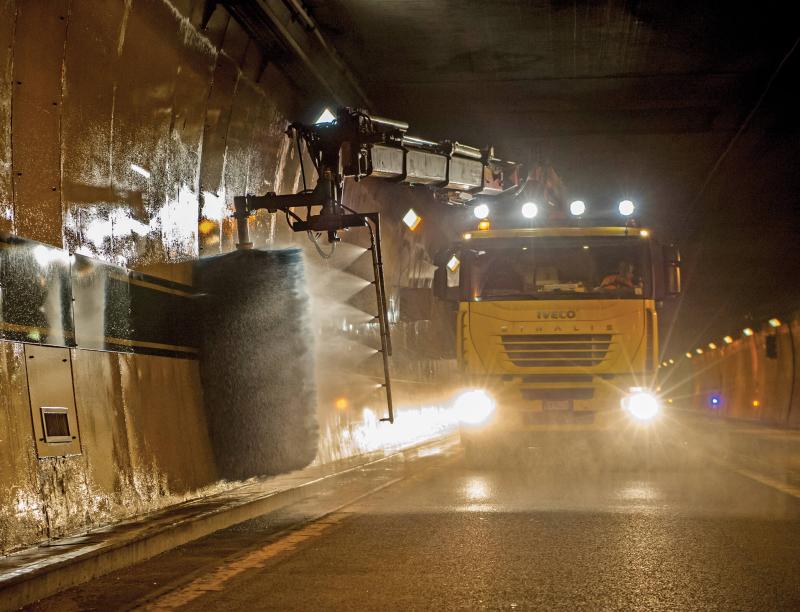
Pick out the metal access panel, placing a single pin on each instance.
(52, 396)
(387, 162)
(465, 173)
(425, 168)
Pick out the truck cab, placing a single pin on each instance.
(557, 327)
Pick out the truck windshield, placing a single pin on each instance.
(557, 268)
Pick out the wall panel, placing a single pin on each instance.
(7, 24)
(39, 39)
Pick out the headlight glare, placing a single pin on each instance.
(474, 407)
(641, 405)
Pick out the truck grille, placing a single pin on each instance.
(583, 393)
(556, 350)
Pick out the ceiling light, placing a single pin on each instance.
(774, 322)
(747, 331)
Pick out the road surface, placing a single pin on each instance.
(438, 533)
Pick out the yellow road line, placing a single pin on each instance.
(215, 581)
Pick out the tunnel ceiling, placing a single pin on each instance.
(623, 98)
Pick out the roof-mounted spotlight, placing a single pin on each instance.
(626, 208)
(325, 117)
(481, 211)
(529, 210)
(577, 208)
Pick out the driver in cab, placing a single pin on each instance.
(622, 280)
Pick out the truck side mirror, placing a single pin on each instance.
(672, 270)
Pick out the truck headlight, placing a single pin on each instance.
(641, 405)
(474, 407)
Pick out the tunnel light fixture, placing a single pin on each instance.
(626, 208)
(727, 340)
(756, 403)
(698, 350)
(644, 233)
(664, 364)
(481, 211)
(529, 210)
(412, 219)
(747, 331)
(712, 345)
(484, 225)
(774, 322)
(585, 247)
(688, 355)
(671, 362)
(577, 208)
(325, 117)
(139, 170)
(453, 264)
(467, 236)
(342, 403)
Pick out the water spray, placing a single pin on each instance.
(358, 145)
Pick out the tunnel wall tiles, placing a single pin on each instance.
(741, 374)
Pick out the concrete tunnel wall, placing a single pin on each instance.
(125, 132)
(748, 384)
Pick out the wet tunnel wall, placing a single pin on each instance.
(754, 378)
(123, 124)
(126, 129)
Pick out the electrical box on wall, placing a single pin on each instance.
(52, 397)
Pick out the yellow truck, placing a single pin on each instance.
(556, 329)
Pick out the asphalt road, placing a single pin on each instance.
(438, 533)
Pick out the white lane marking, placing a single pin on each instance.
(778, 485)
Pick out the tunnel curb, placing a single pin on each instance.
(41, 579)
